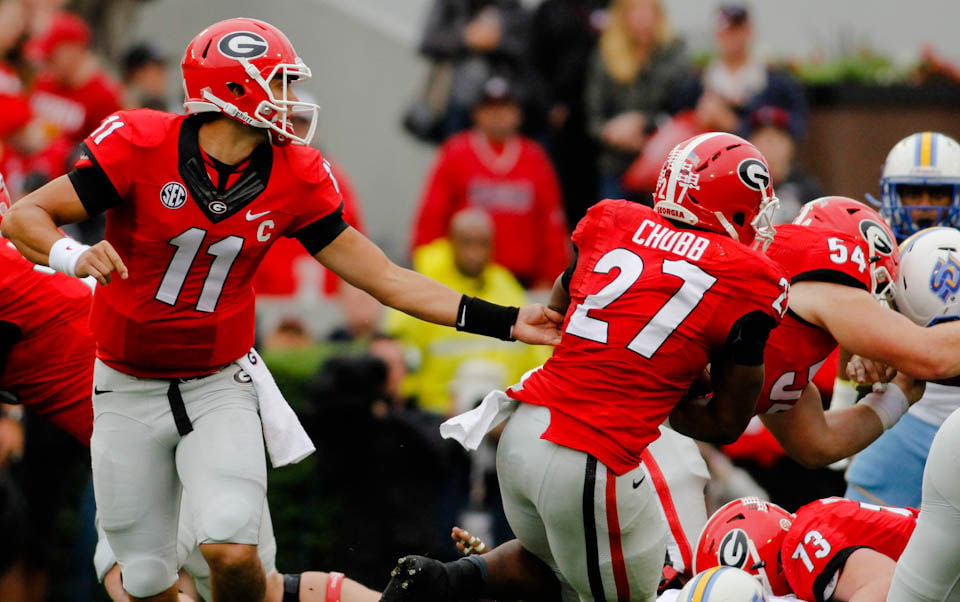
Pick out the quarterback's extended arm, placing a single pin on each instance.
(32, 224)
(361, 263)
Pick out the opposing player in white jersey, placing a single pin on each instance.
(920, 187)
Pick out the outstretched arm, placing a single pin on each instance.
(863, 326)
(363, 264)
(816, 438)
(32, 225)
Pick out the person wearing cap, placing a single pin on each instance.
(494, 168)
(736, 82)
(633, 70)
(145, 75)
(771, 130)
(73, 93)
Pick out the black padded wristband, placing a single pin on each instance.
(489, 319)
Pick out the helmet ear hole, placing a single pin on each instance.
(739, 219)
(236, 89)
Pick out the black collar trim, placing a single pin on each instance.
(219, 205)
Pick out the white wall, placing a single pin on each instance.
(362, 53)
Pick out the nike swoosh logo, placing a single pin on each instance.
(97, 391)
(463, 318)
(253, 216)
(638, 483)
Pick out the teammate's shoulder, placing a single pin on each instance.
(141, 127)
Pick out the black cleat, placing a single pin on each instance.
(417, 579)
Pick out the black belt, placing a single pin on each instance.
(179, 411)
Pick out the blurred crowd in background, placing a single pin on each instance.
(536, 115)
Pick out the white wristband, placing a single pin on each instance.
(844, 394)
(889, 405)
(64, 254)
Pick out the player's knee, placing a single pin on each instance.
(231, 520)
(229, 558)
(145, 577)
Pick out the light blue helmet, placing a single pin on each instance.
(921, 159)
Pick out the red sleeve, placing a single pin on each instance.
(437, 203)
(351, 207)
(554, 231)
(103, 174)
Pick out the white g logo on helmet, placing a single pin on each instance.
(242, 45)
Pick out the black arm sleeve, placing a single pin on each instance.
(94, 188)
(748, 338)
(10, 334)
(568, 273)
(314, 237)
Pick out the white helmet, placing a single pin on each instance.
(921, 159)
(927, 289)
(722, 584)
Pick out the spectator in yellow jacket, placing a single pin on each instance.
(463, 260)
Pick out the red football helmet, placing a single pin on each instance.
(228, 68)
(746, 533)
(859, 220)
(719, 182)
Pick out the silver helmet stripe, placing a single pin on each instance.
(680, 158)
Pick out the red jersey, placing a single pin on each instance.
(73, 112)
(827, 531)
(192, 247)
(51, 311)
(288, 270)
(517, 188)
(796, 348)
(649, 304)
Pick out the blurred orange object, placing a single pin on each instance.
(642, 174)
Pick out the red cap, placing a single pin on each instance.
(63, 27)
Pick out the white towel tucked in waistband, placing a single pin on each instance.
(469, 428)
(287, 441)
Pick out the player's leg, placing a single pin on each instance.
(929, 568)
(679, 475)
(222, 465)
(135, 480)
(604, 534)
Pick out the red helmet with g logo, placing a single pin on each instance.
(747, 534)
(721, 183)
(228, 68)
(860, 221)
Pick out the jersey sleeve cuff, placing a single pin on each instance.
(94, 188)
(316, 236)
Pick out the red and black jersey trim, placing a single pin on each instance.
(92, 185)
(215, 203)
(834, 567)
(830, 276)
(317, 235)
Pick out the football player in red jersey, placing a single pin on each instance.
(653, 296)
(831, 549)
(194, 203)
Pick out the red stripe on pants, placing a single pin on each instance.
(669, 509)
(616, 545)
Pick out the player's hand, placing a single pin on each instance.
(866, 371)
(100, 261)
(466, 543)
(11, 441)
(538, 325)
(910, 386)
